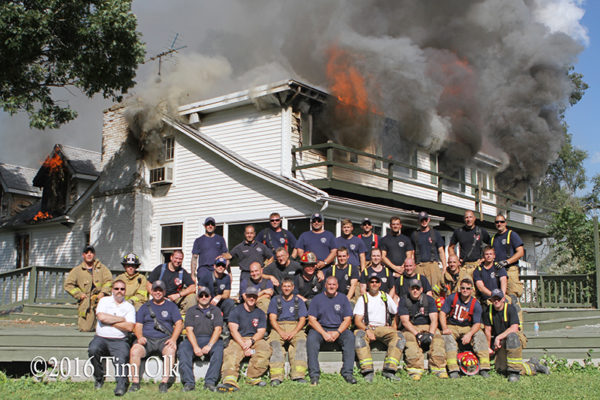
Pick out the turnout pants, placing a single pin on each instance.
(413, 354)
(514, 286)
(385, 334)
(105, 347)
(478, 341)
(257, 366)
(466, 271)
(296, 352)
(313, 345)
(186, 356)
(509, 357)
(186, 302)
(433, 273)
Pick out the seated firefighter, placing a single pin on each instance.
(116, 319)
(506, 340)
(287, 315)
(180, 287)
(460, 318)
(203, 325)
(419, 316)
(136, 284)
(264, 286)
(247, 325)
(88, 283)
(374, 319)
(219, 284)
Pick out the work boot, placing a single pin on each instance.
(369, 377)
(163, 387)
(170, 381)
(454, 375)
(314, 381)
(188, 387)
(484, 373)
(260, 384)
(391, 375)
(275, 382)
(441, 374)
(415, 377)
(135, 386)
(513, 377)
(350, 379)
(210, 386)
(98, 384)
(227, 387)
(539, 367)
(299, 380)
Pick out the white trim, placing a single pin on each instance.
(285, 168)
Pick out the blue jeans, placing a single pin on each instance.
(313, 345)
(186, 356)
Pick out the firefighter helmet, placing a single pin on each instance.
(439, 302)
(308, 258)
(130, 259)
(468, 363)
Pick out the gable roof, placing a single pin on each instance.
(82, 161)
(19, 180)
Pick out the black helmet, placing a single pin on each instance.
(130, 259)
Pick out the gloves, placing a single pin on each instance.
(424, 339)
(501, 264)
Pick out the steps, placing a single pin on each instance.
(553, 319)
(50, 313)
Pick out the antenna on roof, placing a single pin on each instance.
(170, 51)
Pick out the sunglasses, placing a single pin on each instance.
(466, 288)
(202, 295)
(317, 220)
(209, 224)
(500, 222)
(275, 220)
(119, 289)
(367, 223)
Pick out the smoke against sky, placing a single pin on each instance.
(457, 75)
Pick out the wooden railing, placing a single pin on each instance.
(385, 171)
(559, 291)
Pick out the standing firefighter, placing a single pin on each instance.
(88, 283)
(287, 315)
(136, 290)
(373, 316)
(419, 316)
(470, 239)
(507, 340)
(429, 253)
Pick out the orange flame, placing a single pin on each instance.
(348, 85)
(54, 164)
(40, 216)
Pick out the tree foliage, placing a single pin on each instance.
(46, 44)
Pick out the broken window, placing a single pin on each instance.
(484, 181)
(457, 184)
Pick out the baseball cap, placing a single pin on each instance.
(159, 285)
(415, 282)
(252, 291)
(203, 289)
(497, 294)
(374, 276)
(366, 221)
(209, 219)
(423, 215)
(89, 248)
(316, 216)
(221, 261)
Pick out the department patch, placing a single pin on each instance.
(352, 247)
(259, 249)
(281, 240)
(384, 279)
(222, 286)
(401, 244)
(337, 307)
(323, 240)
(164, 313)
(255, 322)
(493, 275)
(503, 241)
(178, 282)
(292, 309)
(429, 239)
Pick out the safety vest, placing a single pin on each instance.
(366, 315)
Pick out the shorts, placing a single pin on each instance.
(155, 345)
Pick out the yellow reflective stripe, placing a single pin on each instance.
(300, 368)
(143, 292)
(253, 381)
(275, 371)
(391, 360)
(437, 369)
(107, 284)
(230, 378)
(508, 237)
(415, 370)
(366, 361)
(505, 308)
(514, 360)
(452, 361)
(74, 291)
(527, 368)
(134, 298)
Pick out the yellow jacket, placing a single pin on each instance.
(79, 280)
(135, 289)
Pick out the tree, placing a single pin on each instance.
(92, 45)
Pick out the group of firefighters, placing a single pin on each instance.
(400, 291)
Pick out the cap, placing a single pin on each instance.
(159, 285)
(415, 282)
(209, 219)
(366, 221)
(221, 261)
(89, 248)
(423, 215)
(308, 258)
(203, 289)
(374, 276)
(316, 216)
(130, 259)
(497, 294)
(252, 291)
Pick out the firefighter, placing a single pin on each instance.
(374, 319)
(347, 274)
(180, 286)
(355, 247)
(460, 318)
(318, 241)
(451, 275)
(470, 238)
(250, 251)
(263, 285)
(274, 236)
(489, 276)
(137, 291)
(429, 253)
(396, 247)
(419, 317)
(88, 283)
(287, 314)
(506, 339)
(369, 238)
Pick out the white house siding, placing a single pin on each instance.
(7, 251)
(251, 133)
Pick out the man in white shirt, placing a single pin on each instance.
(116, 318)
(374, 319)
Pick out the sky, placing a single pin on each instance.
(159, 21)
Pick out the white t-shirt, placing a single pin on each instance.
(376, 308)
(108, 305)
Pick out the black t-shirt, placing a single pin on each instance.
(396, 247)
(204, 320)
(274, 269)
(344, 276)
(469, 239)
(426, 245)
(248, 322)
(386, 275)
(418, 311)
(307, 289)
(402, 284)
(500, 322)
(172, 280)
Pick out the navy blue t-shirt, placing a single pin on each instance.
(460, 314)
(426, 248)
(330, 312)
(167, 314)
(501, 247)
(248, 322)
(396, 247)
(273, 240)
(208, 249)
(215, 285)
(490, 277)
(371, 242)
(319, 243)
(171, 279)
(418, 311)
(288, 308)
(344, 276)
(355, 247)
(402, 284)
(247, 253)
(386, 276)
(261, 285)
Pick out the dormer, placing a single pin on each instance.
(16, 189)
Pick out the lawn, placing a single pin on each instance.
(565, 384)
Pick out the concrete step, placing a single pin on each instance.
(532, 315)
(562, 323)
(67, 310)
(55, 319)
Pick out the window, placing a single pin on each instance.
(3, 204)
(458, 183)
(433, 167)
(393, 147)
(236, 232)
(487, 183)
(169, 149)
(171, 238)
(528, 198)
(22, 249)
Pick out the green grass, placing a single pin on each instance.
(570, 384)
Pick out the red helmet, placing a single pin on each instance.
(439, 302)
(468, 363)
(308, 258)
